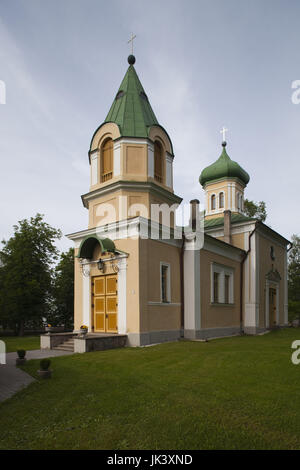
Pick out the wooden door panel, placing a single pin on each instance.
(99, 322)
(111, 304)
(111, 323)
(99, 286)
(111, 285)
(111, 313)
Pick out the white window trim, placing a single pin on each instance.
(222, 271)
(168, 265)
(94, 168)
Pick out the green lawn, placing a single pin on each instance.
(13, 343)
(231, 393)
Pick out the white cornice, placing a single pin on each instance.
(132, 186)
(137, 227)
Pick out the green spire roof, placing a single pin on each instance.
(224, 167)
(131, 109)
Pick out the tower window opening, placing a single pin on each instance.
(107, 161)
(158, 162)
(213, 202)
(221, 200)
(238, 201)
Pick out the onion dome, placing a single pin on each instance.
(224, 167)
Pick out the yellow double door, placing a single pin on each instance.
(105, 303)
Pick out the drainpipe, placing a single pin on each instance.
(242, 277)
(182, 282)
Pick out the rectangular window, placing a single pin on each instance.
(216, 287)
(222, 284)
(165, 282)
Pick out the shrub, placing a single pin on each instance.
(294, 310)
(45, 364)
(21, 353)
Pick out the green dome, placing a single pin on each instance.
(224, 167)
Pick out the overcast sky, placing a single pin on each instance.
(203, 64)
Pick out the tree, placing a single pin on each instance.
(257, 210)
(26, 269)
(63, 291)
(294, 278)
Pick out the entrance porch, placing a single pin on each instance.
(76, 343)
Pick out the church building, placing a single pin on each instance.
(140, 276)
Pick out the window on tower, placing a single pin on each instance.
(221, 200)
(106, 166)
(158, 162)
(238, 201)
(213, 202)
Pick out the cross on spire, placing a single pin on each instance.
(223, 131)
(133, 36)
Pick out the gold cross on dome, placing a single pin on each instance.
(133, 36)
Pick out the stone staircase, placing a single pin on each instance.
(66, 345)
(92, 342)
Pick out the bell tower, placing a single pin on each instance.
(131, 158)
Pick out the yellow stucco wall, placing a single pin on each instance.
(159, 317)
(237, 239)
(218, 316)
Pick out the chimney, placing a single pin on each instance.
(227, 226)
(194, 213)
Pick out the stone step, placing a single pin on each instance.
(64, 347)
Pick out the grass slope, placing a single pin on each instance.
(13, 343)
(231, 393)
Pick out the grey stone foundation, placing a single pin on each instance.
(98, 343)
(253, 330)
(212, 332)
(152, 337)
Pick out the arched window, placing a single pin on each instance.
(158, 162)
(221, 200)
(238, 201)
(107, 160)
(213, 202)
